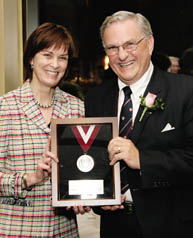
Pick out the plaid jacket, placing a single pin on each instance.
(23, 136)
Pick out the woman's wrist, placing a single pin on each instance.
(25, 183)
(29, 180)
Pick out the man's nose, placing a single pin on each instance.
(122, 53)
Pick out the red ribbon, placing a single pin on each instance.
(82, 135)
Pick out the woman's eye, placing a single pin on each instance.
(64, 58)
(46, 54)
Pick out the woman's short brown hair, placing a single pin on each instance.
(43, 37)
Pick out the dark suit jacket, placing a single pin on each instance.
(163, 191)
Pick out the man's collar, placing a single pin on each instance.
(143, 81)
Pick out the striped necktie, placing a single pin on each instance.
(125, 127)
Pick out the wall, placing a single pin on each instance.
(11, 48)
(32, 18)
(2, 66)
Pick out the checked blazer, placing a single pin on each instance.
(23, 136)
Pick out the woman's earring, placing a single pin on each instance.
(32, 66)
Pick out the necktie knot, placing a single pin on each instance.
(127, 91)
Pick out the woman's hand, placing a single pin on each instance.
(80, 209)
(44, 166)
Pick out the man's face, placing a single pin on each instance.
(129, 66)
(175, 67)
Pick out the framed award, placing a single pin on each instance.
(83, 175)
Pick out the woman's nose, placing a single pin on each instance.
(54, 62)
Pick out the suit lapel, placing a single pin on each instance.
(111, 99)
(155, 86)
(62, 105)
(29, 107)
(33, 113)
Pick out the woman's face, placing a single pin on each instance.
(49, 66)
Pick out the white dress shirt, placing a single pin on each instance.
(138, 89)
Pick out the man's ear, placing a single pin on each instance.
(150, 44)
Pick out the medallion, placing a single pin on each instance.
(85, 136)
(85, 163)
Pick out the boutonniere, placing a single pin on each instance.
(151, 102)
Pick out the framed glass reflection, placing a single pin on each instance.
(83, 175)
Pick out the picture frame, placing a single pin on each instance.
(83, 175)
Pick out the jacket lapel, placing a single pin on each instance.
(32, 111)
(155, 86)
(111, 99)
(62, 107)
(29, 107)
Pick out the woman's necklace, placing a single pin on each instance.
(44, 105)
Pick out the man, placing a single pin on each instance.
(175, 66)
(186, 61)
(158, 148)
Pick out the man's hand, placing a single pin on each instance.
(124, 149)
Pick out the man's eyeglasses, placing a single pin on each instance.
(128, 46)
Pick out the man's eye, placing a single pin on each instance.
(128, 44)
(112, 48)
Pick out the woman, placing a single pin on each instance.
(25, 157)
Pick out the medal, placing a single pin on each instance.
(85, 163)
(85, 136)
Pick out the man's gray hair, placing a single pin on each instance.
(142, 22)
